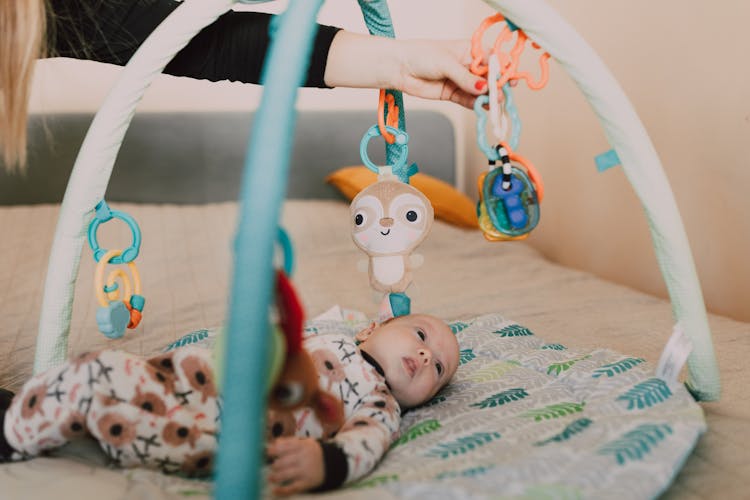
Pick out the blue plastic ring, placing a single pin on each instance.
(402, 139)
(515, 123)
(104, 214)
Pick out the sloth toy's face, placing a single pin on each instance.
(390, 218)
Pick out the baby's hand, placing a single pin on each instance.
(297, 465)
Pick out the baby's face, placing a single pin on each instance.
(418, 353)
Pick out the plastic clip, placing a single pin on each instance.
(399, 168)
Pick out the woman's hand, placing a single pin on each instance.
(297, 465)
(439, 70)
(431, 69)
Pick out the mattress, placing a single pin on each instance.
(185, 265)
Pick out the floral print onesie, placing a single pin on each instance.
(163, 412)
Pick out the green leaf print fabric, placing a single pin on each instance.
(524, 418)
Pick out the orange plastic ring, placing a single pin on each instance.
(392, 120)
(532, 171)
(477, 53)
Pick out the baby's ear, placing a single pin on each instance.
(365, 334)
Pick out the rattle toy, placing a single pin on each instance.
(117, 310)
(390, 218)
(509, 197)
(511, 191)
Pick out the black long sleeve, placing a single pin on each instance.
(232, 48)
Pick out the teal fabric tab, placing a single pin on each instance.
(607, 160)
(400, 304)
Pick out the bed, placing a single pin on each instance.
(185, 263)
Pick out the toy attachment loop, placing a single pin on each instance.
(508, 61)
(515, 123)
(399, 168)
(104, 214)
(477, 53)
(392, 116)
(502, 153)
(117, 311)
(287, 251)
(505, 152)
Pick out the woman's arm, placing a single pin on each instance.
(234, 48)
(231, 48)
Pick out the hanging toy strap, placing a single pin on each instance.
(398, 167)
(387, 117)
(391, 122)
(378, 20)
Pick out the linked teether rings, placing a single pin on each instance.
(119, 309)
(509, 194)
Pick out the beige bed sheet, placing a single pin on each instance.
(185, 265)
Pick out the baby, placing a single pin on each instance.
(397, 365)
(163, 412)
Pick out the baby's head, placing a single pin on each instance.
(418, 354)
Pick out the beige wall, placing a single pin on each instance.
(682, 65)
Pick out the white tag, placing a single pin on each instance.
(493, 76)
(333, 314)
(674, 356)
(384, 311)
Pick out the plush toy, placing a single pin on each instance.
(297, 384)
(390, 219)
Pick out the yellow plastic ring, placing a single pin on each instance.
(104, 297)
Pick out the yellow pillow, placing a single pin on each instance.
(450, 205)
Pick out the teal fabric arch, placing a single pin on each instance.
(240, 459)
(263, 187)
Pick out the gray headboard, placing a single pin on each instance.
(197, 157)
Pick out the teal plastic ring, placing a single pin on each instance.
(104, 214)
(402, 139)
(515, 123)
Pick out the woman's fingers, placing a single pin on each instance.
(464, 79)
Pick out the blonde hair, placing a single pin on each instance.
(22, 35)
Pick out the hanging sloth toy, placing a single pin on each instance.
(390, 219)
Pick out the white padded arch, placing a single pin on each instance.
(628, 137)
(93, 168)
